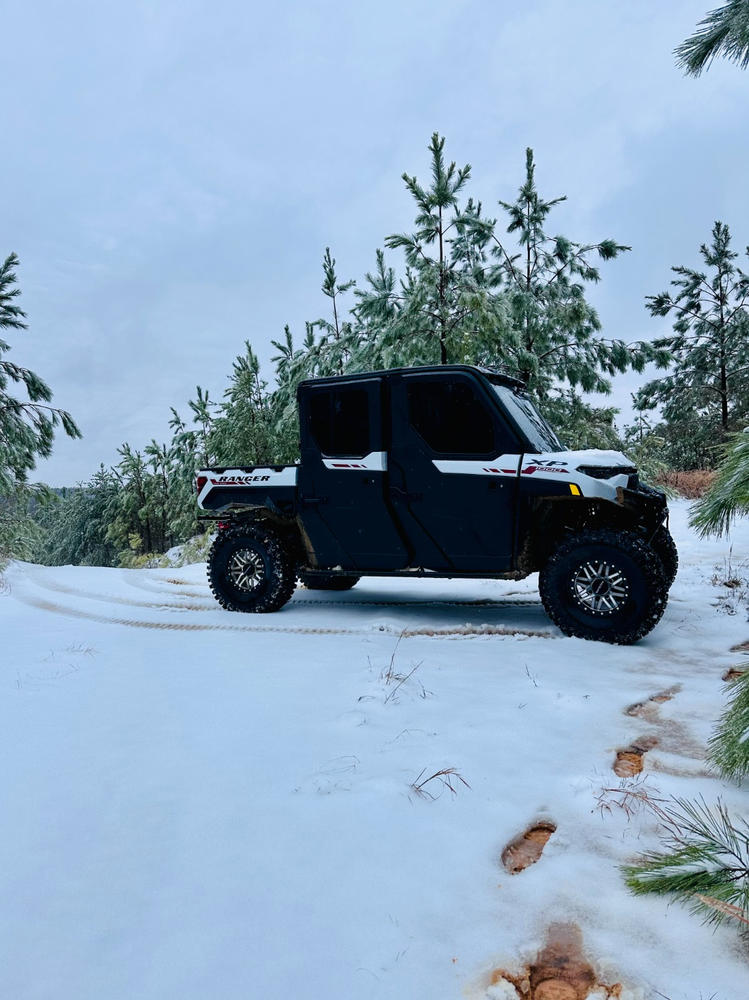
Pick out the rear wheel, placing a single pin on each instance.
(604, 585)
(330, 581)
(250, 570)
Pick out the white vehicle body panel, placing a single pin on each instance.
(261, 478)
(559, 466)
(375, 461)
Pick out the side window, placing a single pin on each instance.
(451, 417)
(339, 422)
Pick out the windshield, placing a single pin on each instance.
(520, 408)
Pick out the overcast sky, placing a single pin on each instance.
(172, 171)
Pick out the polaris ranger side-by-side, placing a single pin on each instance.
(443, 471)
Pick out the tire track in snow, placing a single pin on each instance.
(457, 632)
(211, 605)
(61, 588)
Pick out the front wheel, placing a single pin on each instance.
(250, 570)
(664, 544)
(604, 585)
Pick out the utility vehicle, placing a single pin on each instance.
(442, 471)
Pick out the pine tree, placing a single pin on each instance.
(203, 415)
(292, 365)
(728, 749)
(337, 332)
(704, 861)
(438, 214)
(723, 32)
(645, 445)
(243, 434)
(580, 425)
(444, 298)
(74, 527)
(707, 393)
(555, 332)
(27, 425)
(131, 529)
(728, 497)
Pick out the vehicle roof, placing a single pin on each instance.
(493, 376)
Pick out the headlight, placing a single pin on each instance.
(606, 471)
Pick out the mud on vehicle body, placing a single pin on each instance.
(445, 471)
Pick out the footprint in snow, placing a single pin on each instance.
(630, 761)
(525, 849)
(560, 971)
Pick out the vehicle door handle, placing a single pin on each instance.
(409, 497)
(311, 500)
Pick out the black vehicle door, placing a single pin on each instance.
(453, 471)
(344, 504)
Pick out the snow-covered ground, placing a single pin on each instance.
(201, 805)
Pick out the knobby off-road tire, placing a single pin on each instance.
(665, 546)
(250, 570)
(315, 581)
(604, 585)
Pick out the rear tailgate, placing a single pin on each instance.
(253, 486)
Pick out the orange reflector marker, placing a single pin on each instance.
(575, 490)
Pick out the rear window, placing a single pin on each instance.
(339, 422)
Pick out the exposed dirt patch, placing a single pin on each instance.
(733, 673)
(629, 761)
(527, 848)
(666, 695)
(561, 971)
(673, 736)
(643, 710)
(743, 647)
(647, 709)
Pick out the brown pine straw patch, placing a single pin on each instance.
(525, 849)
(691, 484)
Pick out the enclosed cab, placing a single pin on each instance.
(442, 471)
